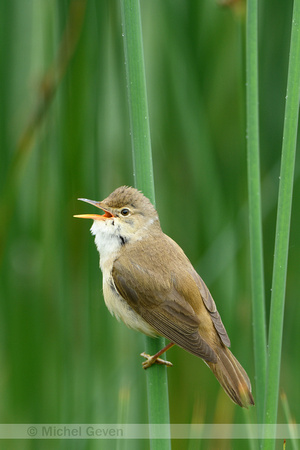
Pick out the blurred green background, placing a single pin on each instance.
(65, 134)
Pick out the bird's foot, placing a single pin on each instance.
(150, 360)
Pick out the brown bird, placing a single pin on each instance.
(150, 284)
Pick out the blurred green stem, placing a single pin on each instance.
(158, 402)
(255, 219)
(283, 224)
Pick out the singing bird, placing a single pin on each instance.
(150, 284)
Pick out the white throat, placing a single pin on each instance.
(108, 241)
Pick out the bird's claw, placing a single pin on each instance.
(150, 360)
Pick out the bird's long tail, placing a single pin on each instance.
(232, 377)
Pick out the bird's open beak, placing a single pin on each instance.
(104, 216)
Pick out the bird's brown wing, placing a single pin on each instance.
(212, 309)
(161, 301)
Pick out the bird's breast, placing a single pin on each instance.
(109, 243)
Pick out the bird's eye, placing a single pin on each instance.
(125, 212)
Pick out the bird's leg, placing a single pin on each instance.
(155, 358)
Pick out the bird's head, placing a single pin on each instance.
(127, 213)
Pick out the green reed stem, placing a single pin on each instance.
(283, 225)
(255, 219)
(157, 386)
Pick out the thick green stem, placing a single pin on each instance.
(158, 403)
(283, 224)
(255, 219)
(137, 97)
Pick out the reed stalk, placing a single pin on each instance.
(255, 218)
(157, 386)
(283, 226)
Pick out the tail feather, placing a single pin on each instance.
(232, 377)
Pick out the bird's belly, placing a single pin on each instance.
(122, 311)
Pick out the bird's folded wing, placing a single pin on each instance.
(161, 305)
(212, 309)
